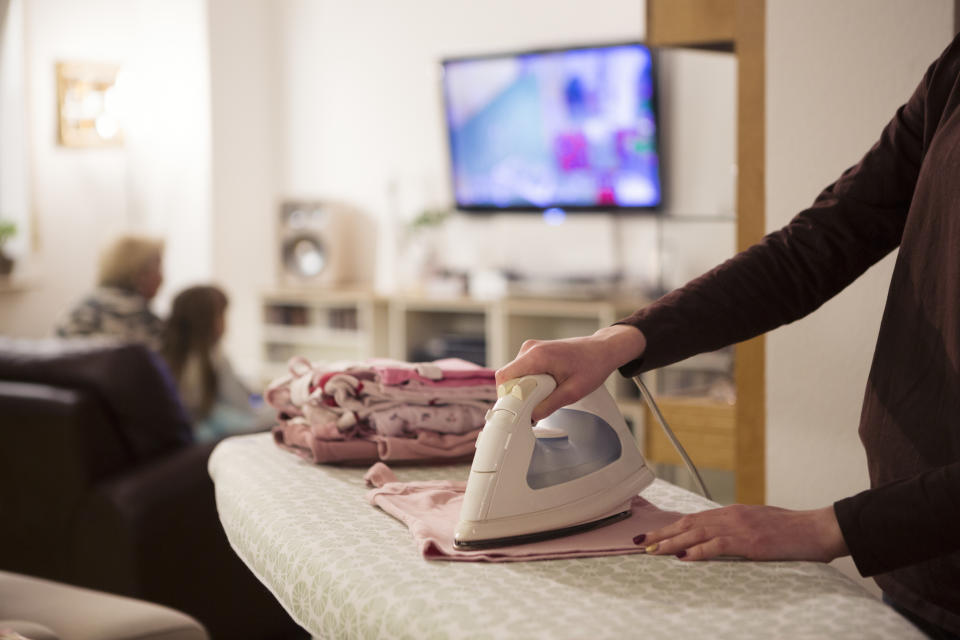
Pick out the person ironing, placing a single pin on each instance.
(904, 530)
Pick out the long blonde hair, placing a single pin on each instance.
(127, 258)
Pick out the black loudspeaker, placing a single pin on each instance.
(314, 244)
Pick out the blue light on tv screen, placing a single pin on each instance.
(572, 129)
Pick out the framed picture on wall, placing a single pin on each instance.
(88, 104)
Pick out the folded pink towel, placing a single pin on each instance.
(298, 437)
(450, 372)
(357, 413)
(427, 445)
(316, 445)
(431, 511)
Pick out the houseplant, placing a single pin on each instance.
(420, 252)
(7, 230)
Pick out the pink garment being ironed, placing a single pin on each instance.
(378, 475)
(431, 511)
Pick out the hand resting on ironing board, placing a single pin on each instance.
(753, 532)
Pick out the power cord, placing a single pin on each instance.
(651, 403)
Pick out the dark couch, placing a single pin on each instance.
(102, 486)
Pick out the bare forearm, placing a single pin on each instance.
(619, 344)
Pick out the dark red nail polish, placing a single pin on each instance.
(640, 538)
(682, 553)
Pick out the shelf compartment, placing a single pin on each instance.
(705, 428)
(453, 332)
(311, 335)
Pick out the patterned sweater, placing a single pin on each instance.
(116, 313)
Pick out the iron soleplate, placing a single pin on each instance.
(527, 538)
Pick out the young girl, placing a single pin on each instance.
(217, 400)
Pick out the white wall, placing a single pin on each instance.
(364, 120)
(317, 98)
(168, 136)
(246, 95)
(363, 107)
(158, 182)
(364, 123)
(834, 79)
(14, 174)
(341, 100)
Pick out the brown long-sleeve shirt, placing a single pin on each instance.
(904, 530)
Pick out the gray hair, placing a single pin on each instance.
(126, 258)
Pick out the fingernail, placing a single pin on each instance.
(640, 538)
(653, 548)
(682, 553)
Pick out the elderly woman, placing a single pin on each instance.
(130, 275)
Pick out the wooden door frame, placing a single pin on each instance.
(738, 26)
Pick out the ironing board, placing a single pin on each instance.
(344, 569)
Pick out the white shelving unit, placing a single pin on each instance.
(352, 325)
(320, 325)
(336, 325)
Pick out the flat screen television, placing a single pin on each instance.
(573, 129)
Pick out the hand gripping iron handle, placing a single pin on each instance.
(510, 419)
(521, 395)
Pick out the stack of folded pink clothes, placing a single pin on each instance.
(361, 412)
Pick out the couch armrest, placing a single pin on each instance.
(54, 444)
(133, 385)
(155, 534)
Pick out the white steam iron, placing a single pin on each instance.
(575, 470)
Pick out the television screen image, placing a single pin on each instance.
(573, 129)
